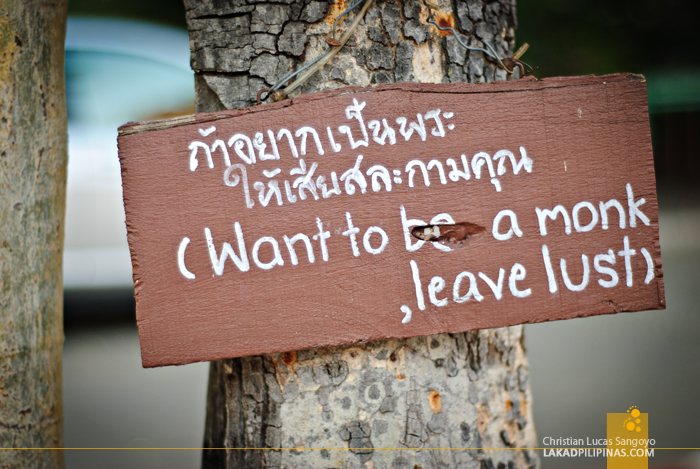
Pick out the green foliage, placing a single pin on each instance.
(170, 12)
(577, 37)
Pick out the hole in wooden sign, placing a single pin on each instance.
(454, 235)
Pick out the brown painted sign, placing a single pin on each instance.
(394, 211)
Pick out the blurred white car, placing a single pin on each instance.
(116, 71)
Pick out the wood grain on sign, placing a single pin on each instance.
(297, 224)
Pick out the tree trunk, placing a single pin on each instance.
(33, 161)
(463, 391)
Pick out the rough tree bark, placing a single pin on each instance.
(33, 157)
(451, 390)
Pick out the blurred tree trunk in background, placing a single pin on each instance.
(449, 390)
(33, 157)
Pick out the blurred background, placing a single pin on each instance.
(128, 60)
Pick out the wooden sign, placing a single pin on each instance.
(399, 210)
